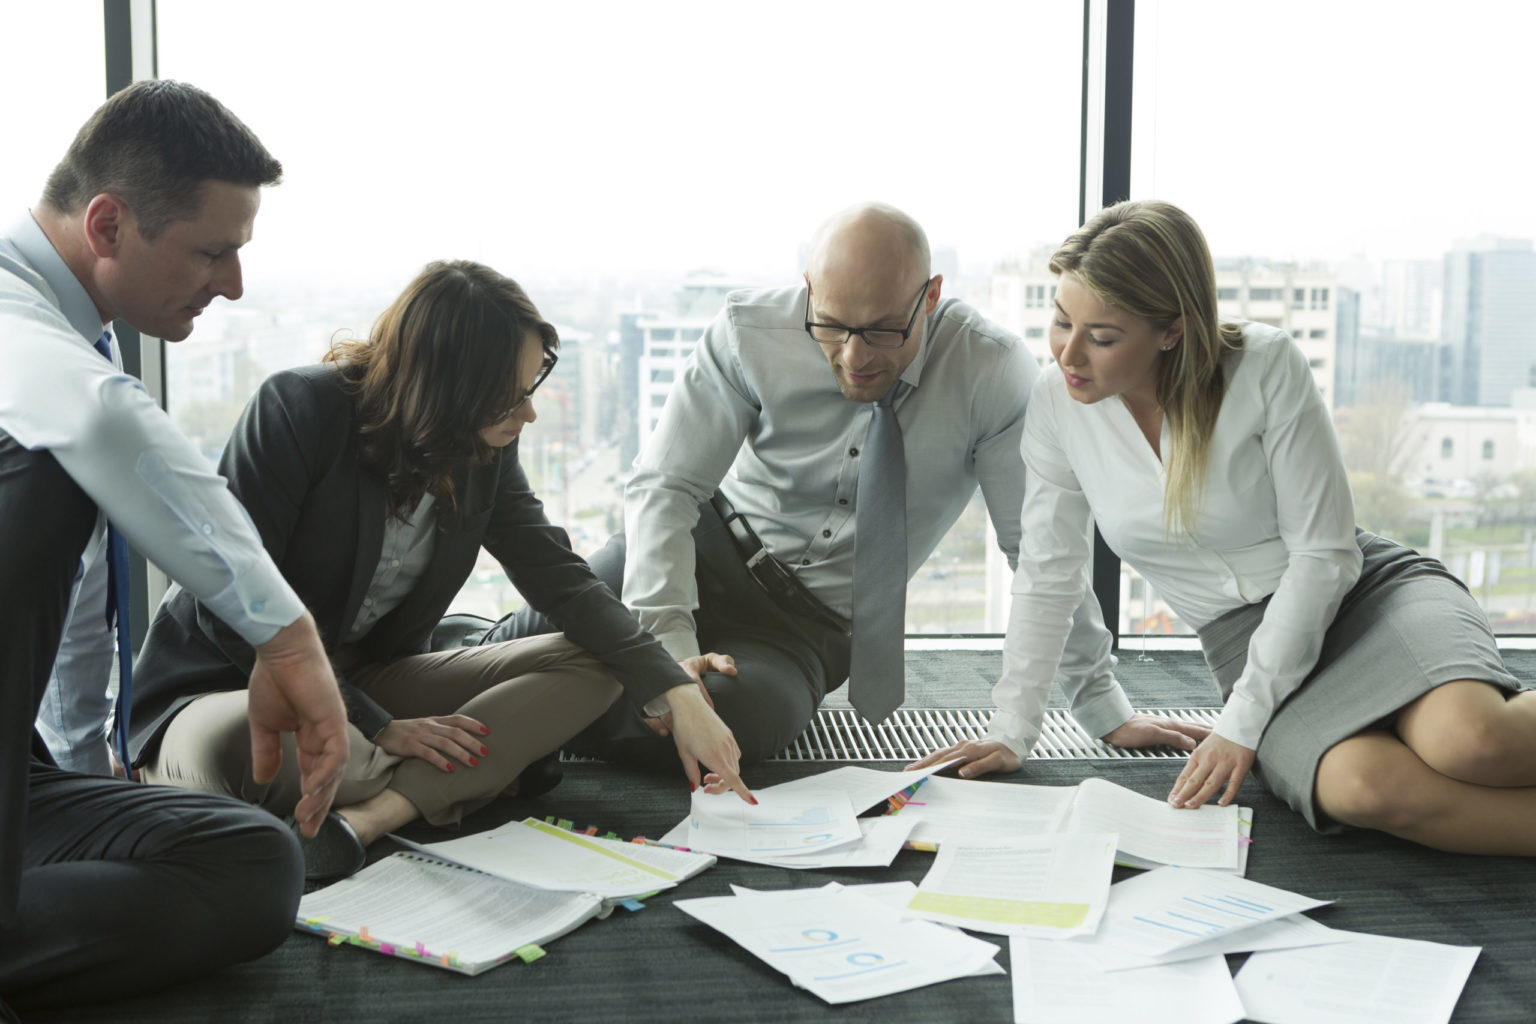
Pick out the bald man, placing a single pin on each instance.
(758, 447)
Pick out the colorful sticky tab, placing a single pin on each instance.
(421, 949)
(386, 949)
(631, 905)
(445, 959)
(641, 841)
(549, 819)
(336, 939)
(315, 920)
(612, 835)
(566, 824)
(591, 830)
(529, 953)
(362, 933)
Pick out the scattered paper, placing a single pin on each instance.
(1061, 983)
(1367, 978)
(1284, 933)
(1055, 885)
(865, 787)
(1153, 831)
(840, 945)
(780, 825)
(1171, 908)
(969, 811)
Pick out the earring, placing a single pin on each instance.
(1166, 348)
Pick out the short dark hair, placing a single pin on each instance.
(153, 145)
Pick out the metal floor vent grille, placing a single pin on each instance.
(840, 734)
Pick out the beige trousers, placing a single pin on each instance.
(532, 694)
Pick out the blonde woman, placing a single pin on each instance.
(1360, 680)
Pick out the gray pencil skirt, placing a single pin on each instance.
(1406, 627)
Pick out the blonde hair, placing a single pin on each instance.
(1149, 259)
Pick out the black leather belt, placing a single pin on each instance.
(781, 585)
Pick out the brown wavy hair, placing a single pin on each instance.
(1149, 258)
(439, 366)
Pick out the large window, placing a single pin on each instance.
(1369, 164)
(48, 101)
(628, 163)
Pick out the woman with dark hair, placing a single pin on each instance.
(374, 479)
(1360, 678)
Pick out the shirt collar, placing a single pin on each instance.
(913, 374)
(74, 302)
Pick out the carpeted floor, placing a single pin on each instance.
(658, 964)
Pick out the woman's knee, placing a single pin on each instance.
(1481, 742)
(1361, 782)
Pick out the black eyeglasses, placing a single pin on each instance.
(550, 359)
(875, 337)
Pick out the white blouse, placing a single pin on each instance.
(1276, 517)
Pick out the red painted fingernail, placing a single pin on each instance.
(754, 800)
(483, 751)
(473, 762)
(692, 786)
(484, 731)
(449, 768)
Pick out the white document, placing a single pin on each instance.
(1171, 908)
(1052, 886)
(1154, 831)
(840, 945)
(1060, 983)
(441, 913)
(781, 825)
(881, 841)
(865, 787)
(1368, 978)
(1284, 933)
(539, 854)
(978, 812)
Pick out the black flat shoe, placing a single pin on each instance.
(541, 776)
(334, 853)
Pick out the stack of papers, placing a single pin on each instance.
(807, 823)
(842, 945)
(1151, 832)
(1158, 955)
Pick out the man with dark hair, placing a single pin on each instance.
(109, 888)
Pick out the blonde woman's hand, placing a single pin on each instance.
(1216, 763)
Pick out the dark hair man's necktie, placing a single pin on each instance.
(117, 614)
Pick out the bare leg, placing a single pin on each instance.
(1374, 780)
(1474, 732)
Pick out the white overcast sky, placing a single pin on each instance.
(570, 140)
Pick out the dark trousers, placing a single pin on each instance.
(785, 662)
(107, 888)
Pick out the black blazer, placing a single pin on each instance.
(294, 462)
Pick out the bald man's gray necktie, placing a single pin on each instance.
(877, 671)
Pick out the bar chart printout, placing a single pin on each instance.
(1167, 909)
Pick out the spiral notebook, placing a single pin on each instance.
(435, 912)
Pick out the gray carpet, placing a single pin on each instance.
(657, 964)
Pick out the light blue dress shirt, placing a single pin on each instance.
(58, 394)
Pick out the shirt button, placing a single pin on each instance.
(853, 451)
(842, 501)
(207, 528)
(257, 606)
(394, 563)
(805, 561)
(368, 600)
(826, 533)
